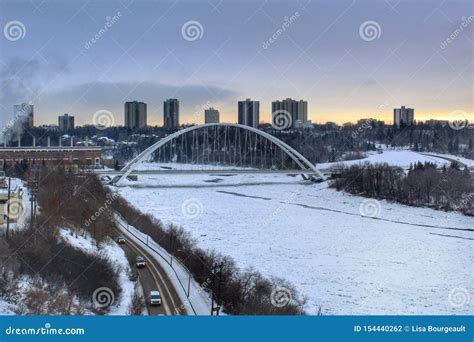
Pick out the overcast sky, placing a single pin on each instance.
(322, 54)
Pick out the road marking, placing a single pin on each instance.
(165, 304)
(122, 230)
(161, 278)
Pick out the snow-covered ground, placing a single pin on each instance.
(6, 308)
(404, 261)
(179, 166)
(465, 161)
(402, 158)
(119, 261)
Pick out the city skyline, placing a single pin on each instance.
(68, 63)
(286, 110)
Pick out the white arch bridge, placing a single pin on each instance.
(241, 149)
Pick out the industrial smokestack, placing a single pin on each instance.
(49, 141)
(19, 141)
(60, 141)
(34, 141)
(72, 141)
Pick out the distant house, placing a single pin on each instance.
(16, 202)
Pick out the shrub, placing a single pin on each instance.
(240, 293)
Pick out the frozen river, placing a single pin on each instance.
(346, 255)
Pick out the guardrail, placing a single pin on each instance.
(165, 259)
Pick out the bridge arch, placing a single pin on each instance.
(297, 157)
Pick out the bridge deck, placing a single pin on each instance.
(212, 172)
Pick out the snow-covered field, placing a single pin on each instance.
(402, 158)
(404, 261)
(179, 166)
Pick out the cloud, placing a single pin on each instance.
(27, 81)
(18, 82)
(21, 81)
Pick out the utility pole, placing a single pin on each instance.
(33, 190)
(217, 271)
(219, 287)
(212, 301)
(34, 183)
(8, 207)
(189, 283)
(171, 249)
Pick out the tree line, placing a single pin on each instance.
(450, 188)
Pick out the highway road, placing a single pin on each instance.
(153, 277)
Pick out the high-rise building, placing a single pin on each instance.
(135, 115)
(297, 111)
(249, 113)
(24, 113)
(211, 115)
(403, 116)
(65, 122)
(171, 114)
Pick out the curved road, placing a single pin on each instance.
(153, 277)
(448, 159)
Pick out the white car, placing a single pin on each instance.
(155, 298)
(140, 262)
